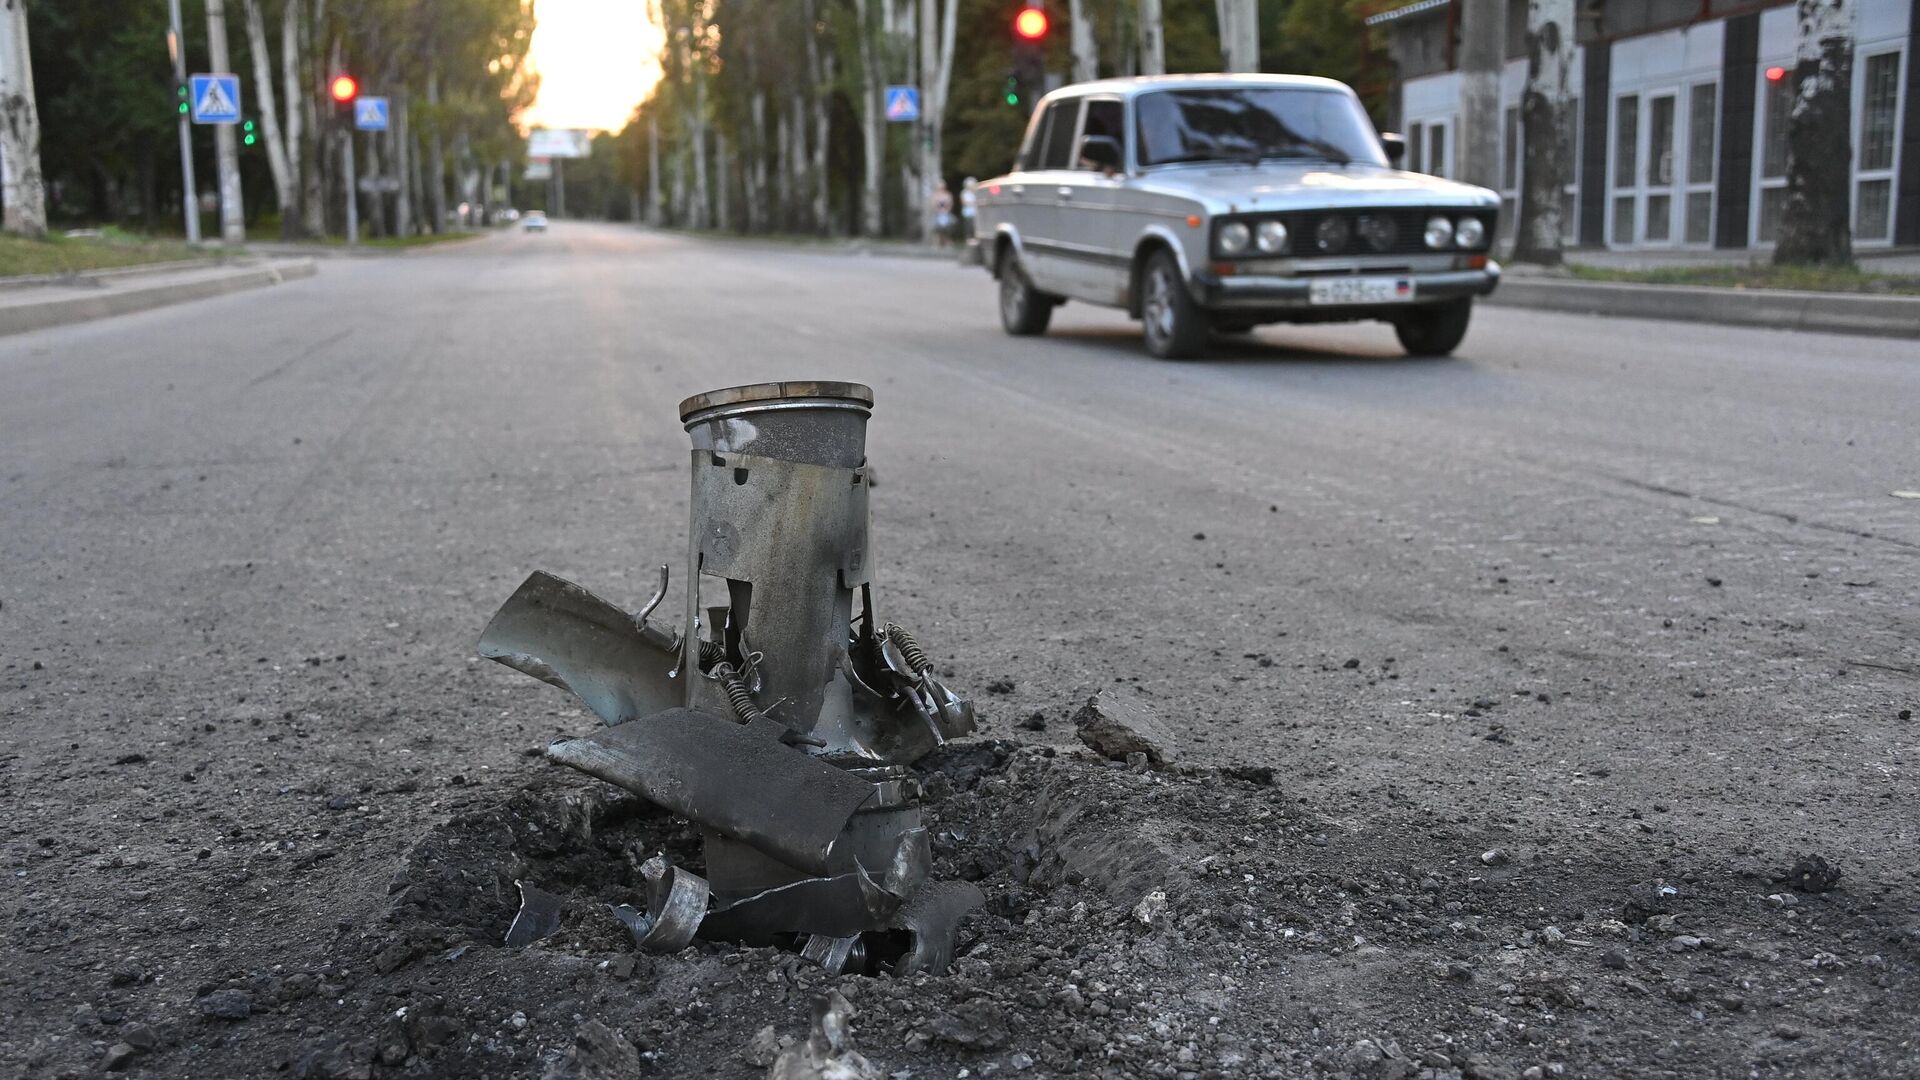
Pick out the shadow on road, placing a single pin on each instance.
(1264, 346)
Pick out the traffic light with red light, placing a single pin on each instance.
(1029, 77)
(345, 90)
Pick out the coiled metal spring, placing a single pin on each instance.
(737, 692)
(909, 648)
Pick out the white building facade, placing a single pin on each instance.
(1680, 118)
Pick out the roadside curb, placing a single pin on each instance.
(110, 273)
(59, 311)
(1779, 309)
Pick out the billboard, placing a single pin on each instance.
(558, 142)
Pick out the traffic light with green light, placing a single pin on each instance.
(246, 132)
(1011, 90)
(183, 99)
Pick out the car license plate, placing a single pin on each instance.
(1360, 290)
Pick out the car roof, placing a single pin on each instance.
(1216, 81)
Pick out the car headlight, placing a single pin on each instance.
(1332, 234)
(1271, 237)
(1234, 237)
(1470, 233)
(1439, 231)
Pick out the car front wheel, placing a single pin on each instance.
(1434, 330)
(1023, 311)
(1175, 327)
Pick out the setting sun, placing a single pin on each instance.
(596, 60)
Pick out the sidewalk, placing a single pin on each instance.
(34, 305)
(1872, 260)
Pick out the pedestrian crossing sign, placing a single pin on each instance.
(903, 103)
(216, 99)
(370, 114)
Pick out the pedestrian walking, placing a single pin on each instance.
(942, 215)
(969, 205)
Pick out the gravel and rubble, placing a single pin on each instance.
(1179, 922)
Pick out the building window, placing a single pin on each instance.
(1702, 128)
(1776, 105)
(1660, 172)
(1437, 149)
(1701, 117)
(1570, 206)
(1414, 156)
(1773, 203)
(1626, 166)
(1626, 141)
(1773, 147)
(1873, 176)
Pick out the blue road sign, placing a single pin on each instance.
(903, 103)
(370, 113)
(216, 98)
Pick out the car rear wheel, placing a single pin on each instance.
(1023, 311)
(1434, 330)
(1175, 327)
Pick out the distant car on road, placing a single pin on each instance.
(533, 221)
(1216, 203)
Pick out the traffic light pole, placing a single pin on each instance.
(189, 198)
(353, 189)
(233, 223)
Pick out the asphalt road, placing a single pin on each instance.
(1599, 571)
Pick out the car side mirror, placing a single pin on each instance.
(1395, 144)
(1101, 151)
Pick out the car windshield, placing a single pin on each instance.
(1255, 123)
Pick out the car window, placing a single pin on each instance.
(1103, 117)
(1036, 138)
(1056, 149)
(1254, 123)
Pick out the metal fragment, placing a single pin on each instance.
(539, 915)
(618, 664)
(676, 902)
(780, 715)
(837, 954)
(931, 916)
(739, 780)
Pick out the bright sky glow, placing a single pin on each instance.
(596, 59)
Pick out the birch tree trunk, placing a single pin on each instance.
(1153, 40)
(315, 166)
(653, 169)
(937, 17)
(283, 180)
(20, 185)
(402, 142)
(1086, 54)
(872, 126)
(1547, 168)
(436, 156)
(723, 186)
(293, 219)
(756, 173)
(1239, 34)
(819, 75)
(1815, 225)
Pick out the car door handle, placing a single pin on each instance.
(1064, 191)
(1019, 189)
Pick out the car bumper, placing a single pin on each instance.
(1275, 293)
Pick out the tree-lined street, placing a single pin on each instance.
(1614, 600)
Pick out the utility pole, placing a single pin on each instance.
(353, 188)
(21, 187)
(1239, 34)
(1483, 38)
(189, 193)
(233, 225)
(1153, 46)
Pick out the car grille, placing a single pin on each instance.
(1368, 232)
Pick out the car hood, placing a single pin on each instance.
(1277, 186)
